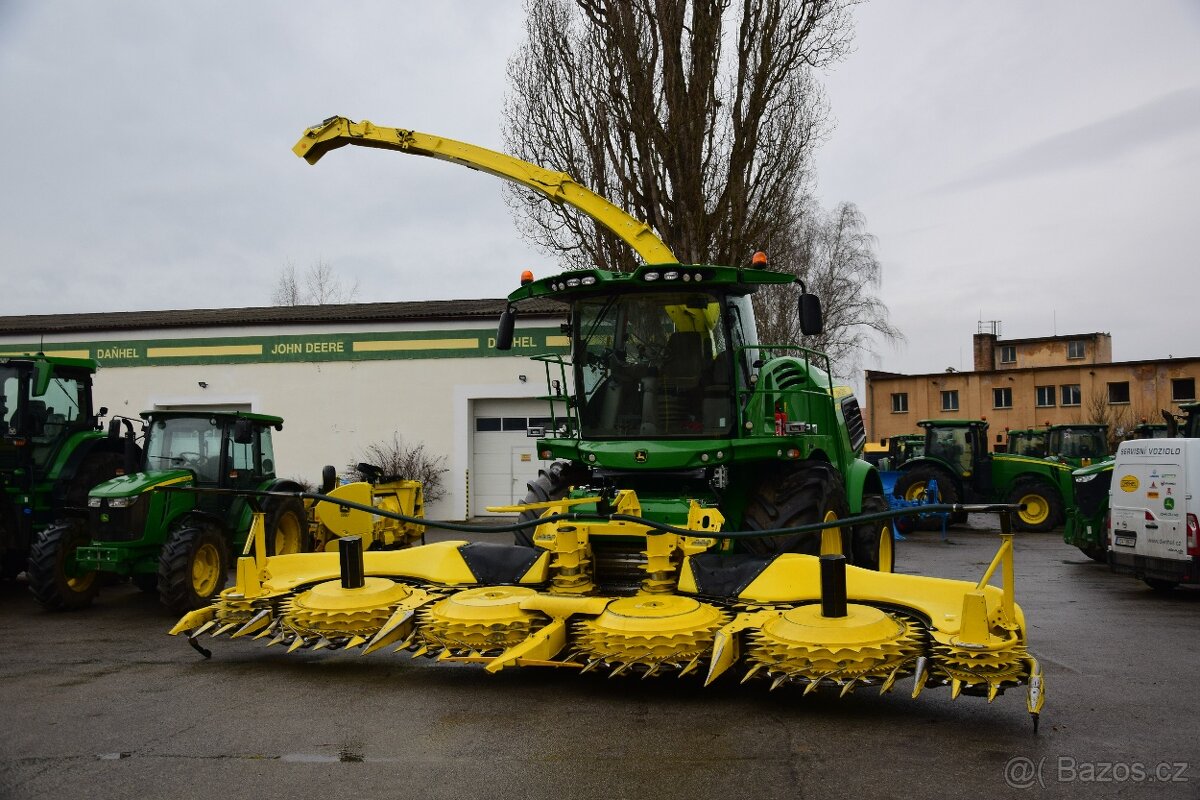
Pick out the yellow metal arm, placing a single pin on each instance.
(559, 187)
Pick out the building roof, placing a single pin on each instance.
(417, 311)
(1037, 339)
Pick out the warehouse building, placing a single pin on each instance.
(343, 377)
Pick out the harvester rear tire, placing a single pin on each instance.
(911, 486)
(287, 528)
(193, 567)
(1045, 507)
(50, 561)
(553, 484)
(868, 539)
(809, 495)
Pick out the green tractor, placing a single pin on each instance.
(902, 449)
(675, 399)
(957, 458)
(178, 544)
(52, 450)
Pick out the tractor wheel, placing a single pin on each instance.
(911, 486)
(193, 567)
(813, 493)
(287, 528)
(553, 484)
(1096, 553)
(328, 479)
(872, 541)
(1043, 507)
(52, 574)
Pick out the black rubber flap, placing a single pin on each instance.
(726, 576)
(499, 563)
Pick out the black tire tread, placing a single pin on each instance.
(175, 589)
(553, 484)
(800, 497)
(45, 571)
(1026, 486)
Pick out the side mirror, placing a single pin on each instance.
(811, 323)
(243, 431)
(504, 330)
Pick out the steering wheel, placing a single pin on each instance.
(188, 458)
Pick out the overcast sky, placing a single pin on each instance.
(1033, 162)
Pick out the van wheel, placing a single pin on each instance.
(1160, 585)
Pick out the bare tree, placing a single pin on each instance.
(699, 118)
(395, 459)
(834, 256)
(318, 286)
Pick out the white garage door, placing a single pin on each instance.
(503, 455)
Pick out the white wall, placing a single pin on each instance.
(332, 410)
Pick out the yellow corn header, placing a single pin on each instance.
(789, 619)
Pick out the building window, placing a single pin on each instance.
(900, 403)
(1045, 396)
(1183, 389)
(1070, 394)
(1002, 398)
(1075, 350)
(1118, 393)
(950, 400)
(1008, 354)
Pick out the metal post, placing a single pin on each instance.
(833, 585)
(350, 555)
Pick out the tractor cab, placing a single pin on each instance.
(43, 403)
(961, 445)
(1077, 445)
(1029, 442)
(229, 450)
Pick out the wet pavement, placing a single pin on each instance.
(103, 704)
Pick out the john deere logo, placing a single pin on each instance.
(1129, 483)
(640, 456)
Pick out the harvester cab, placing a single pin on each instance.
(175, 543)
(52, 450)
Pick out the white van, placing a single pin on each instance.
(1154, 501)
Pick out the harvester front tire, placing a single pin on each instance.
(813, 493)
(193, 567)
(553, 484)
(871, 540)
(911, 486)
(1044, 508)
(287, 529)
(51, 564)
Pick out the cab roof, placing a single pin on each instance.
(264, 419)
